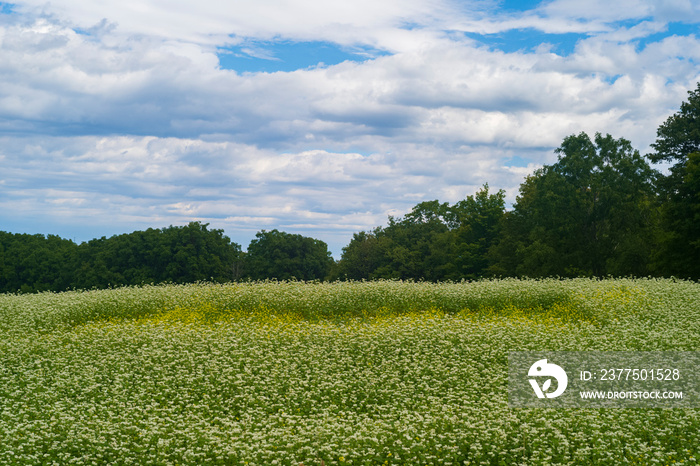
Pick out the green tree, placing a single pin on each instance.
(434, 241)
(30, 263)
(417, 246)
(589, 214)
(196, 253)
(365, 253)
(679, 135)
(678, 142)
(180, 254)
(477, 221)
(285, 256)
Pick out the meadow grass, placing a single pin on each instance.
(361, 373)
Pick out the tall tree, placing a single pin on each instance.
(285, 256)
(419, 245)
(363, 256)
(195, 253)
(477, 220)
(434, 241)
(678, 142)
(30, 263)
(591, 213)
(179, 254)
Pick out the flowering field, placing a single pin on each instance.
(362, 373)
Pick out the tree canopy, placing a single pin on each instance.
(286, 256)
(434, 241)
(173, 254)
(589, 214)
(678, 142)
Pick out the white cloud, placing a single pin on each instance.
(598, 10)
(213, 23)
(135, 182)
(133, 124)
(591, 17)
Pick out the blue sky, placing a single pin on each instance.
(273, 56)
(313, 117)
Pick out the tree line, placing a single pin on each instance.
(175, 254)
(600, 210)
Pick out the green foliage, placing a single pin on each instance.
(362, 257)
(30, 263)
(590, 214)
(416, 247)
(599, 210)
(679, 135)
(35, 262)
(678, 140)
(435, 241)
(284, 256)
(477, 221)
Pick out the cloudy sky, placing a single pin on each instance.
(318, 117)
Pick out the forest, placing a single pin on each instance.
(601, 210)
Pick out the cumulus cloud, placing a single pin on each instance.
(125, 183)
(115, 117)
(214, 23)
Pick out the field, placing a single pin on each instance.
(361, 373)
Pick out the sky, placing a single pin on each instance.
(315, 117)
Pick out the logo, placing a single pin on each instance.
(544, 369)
